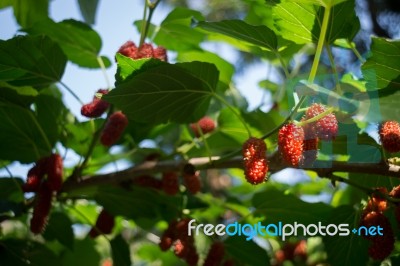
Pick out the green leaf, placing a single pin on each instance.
(247, 252)
(49, 110)
(270, 202)
(260, 36)
(382, 69)
(324, 3)
(79, 42)
(23, 96)
(88, 10)
(225, 69)
(23, 138)
(28, 13)
(178, 93)
(10, 189)
(128, 67)
(341, 249)
(31, 61)
(60, 228)
(6, 3)
(120, 252)
(176, 33)
(301, 23)
(18, 252)
(84, 254)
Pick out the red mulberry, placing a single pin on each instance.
(290, 143)
(382, 245)
(33, 179)
(310, 146)
(97, 107)
(170, 183)
(215, 254)
(55, 172)
(104, 223)
(206, 125)
(389, 133)
(41, 209)
(326, 127)
(192, 182)
(147, 181)
(255, 160)
(113, 128)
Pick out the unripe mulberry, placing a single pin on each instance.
(206, 125)
(104, 224)
(41, 209)
(389, 133)
(215, 254)
(255, 160)
(55, 172)
(326, 127)
(96, 107)
(170, 183)
(192, 182)
(290, 143)
(113, 129)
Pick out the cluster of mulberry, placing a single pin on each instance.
(146, 50)
(216, 254)
(255, 160)
(104, 224)
(299, 145)
(96, 107)
(177, 236)
(373, 215)
(44, 178)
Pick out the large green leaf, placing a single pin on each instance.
(23, 139)
(60, 228)
(382, 68)
(120, 251)
(260, 36)
(88, 10)
(270, 204)
(247, 252)
(79, 42)
(32, 61)
(179, 93)
(176, 33)
(28, 13)
(341, 250)
(301, 23)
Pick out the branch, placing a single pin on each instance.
(323, 168)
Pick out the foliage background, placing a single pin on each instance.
(35, 121)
